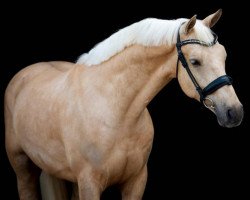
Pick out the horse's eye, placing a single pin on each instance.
(195, 62)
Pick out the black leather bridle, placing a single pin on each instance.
(211, 87)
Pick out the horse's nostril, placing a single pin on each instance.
(234, 115)
(230, 114)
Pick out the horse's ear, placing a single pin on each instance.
(212, 19)
(189, 25)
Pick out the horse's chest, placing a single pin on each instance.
(129, 156)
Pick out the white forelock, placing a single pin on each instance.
(148, 32)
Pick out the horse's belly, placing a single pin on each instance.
(50, 157)
(41, 141)
(47, 155)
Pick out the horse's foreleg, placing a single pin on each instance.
(134, 188)
(89, 187)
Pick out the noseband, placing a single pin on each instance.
(211, 87)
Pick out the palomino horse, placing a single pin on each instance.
(88, 123)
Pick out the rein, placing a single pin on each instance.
(211, 87)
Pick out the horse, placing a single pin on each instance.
(87, 122)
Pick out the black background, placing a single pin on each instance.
(192, 156)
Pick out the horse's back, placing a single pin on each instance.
(29, 74)
(35, 84)
(39, 69)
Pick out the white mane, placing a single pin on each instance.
(148, 32)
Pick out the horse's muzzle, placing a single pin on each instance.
(231, 116)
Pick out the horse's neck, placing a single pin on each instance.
(137, 74)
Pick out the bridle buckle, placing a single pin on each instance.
(208, 103)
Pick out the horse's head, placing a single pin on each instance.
(203, 62)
